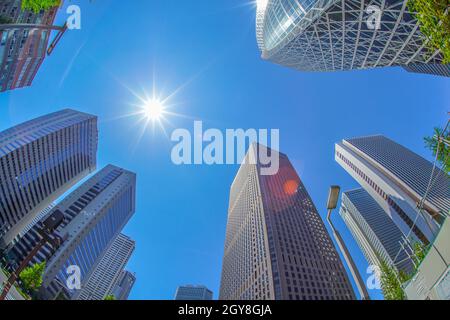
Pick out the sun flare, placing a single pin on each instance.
(154, 109)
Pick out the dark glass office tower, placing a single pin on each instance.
(124, 285)
(190, 293)
(377, 236)
(94, 215)
(276, 245)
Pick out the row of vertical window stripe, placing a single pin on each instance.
(299, 222)
(88, 197)
(93, 245)
(243, 228)
(388, 241)
(369, 215)
(27, 243)
(30, 167)
(295, 220)
(387, 198)
(37, 148)
(29, 127)
(109, 268)
(49, 173)
(29, 135)
(435, 69)
(409, 167)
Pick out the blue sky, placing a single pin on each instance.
(205, 51)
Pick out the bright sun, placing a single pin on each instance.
(154, 109)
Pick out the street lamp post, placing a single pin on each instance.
(333, 198)
(30, 26)
(48, 236)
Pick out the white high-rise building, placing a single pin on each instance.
(103, 280)
(398, 180)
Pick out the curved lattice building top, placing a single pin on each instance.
(331, 35)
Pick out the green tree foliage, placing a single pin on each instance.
(391, 282)
(38, 5)
(441, 149)
(434, 22)
(420, 252)
(31, 277)
(110, 298)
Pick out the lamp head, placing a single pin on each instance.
(333, 197)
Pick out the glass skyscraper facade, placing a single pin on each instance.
(333, 35)
(96, 225)
(191, 293)
(107, 273)
(378, 237)
(40, 160)
(94, 215)
(277, 247)
(124, 285)
(398, 179)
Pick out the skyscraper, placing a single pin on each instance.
(124, 285)
(191, 293)
(333, 35)
(94, 215)
(398, 179)
(277, 247)
(38, 218)
(102, 281)
(433, 69)
(22, 49)
(40, 160)
(376, 234)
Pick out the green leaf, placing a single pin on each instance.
(38, 5)
(31, 277)
(434, 23)
(442, 150)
